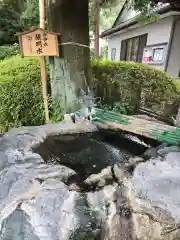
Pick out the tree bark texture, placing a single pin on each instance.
(71, 71)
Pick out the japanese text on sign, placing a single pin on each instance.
(45, 40)
(39, 43)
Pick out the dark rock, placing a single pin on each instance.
(150, 153)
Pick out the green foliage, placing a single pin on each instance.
(177, 83)
(30, 16)
(56, 111)
(20, 93)
(9, 50)
(17, 16)
(118, 107)
(125, 86)
(144, 6)
(108, 13)
(16, 5)
(121, 87)
(104, 52)
(92, 53)
(9, 24)
(149, 19)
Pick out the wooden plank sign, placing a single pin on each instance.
(38, 43)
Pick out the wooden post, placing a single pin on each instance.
(96, 32)
(47, 13)
(43, 64)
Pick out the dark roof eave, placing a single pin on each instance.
(135, 21)
(118, 28)
(34, 29)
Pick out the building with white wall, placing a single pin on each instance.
(154, 43)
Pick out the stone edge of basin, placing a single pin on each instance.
(27, 138)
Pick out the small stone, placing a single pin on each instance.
(73, 187)
(120, 173)
(101, 183)
(150, 153)
(106, 173)
(95, 178)
(134, 161)
(162, 146)
(92, 179)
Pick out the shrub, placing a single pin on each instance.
(121, 86)
(92, 53)
(20, 93)
(9, 50)
(126, 86)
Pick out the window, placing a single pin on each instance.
(113, 53)
(158, 54)
(155, 54)
(132, 48)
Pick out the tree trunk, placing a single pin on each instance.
(71, 72)
(96, 32)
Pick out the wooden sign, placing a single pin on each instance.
(38, 43)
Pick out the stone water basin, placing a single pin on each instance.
(43, 189)
(74, 181)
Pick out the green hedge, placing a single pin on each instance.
(20, 93)
(122, 86)
(129, 85)
(21, 100)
